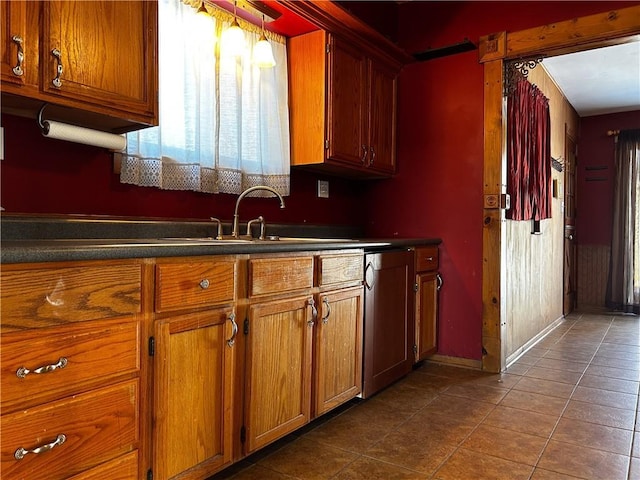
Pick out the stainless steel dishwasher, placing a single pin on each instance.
(388, 318)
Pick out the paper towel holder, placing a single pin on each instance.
(44, 127)
(76, 134)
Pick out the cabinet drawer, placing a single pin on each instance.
(98, 426)
(337, 269)
(184, 285)
(426, 258)
(44, 297)
(279, 275)
(87, 353)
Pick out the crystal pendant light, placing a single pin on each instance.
(232, 41)
(262, 52)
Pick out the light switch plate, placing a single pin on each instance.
(323, 189)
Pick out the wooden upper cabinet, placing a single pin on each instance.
(343, 107)
(98, 58)
(347, 106)
(14, 27)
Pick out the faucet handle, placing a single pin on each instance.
(219, 235)
(259, 220)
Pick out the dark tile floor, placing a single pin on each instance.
(566, 409)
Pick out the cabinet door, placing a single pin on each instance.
(382, 120)
(338, 348)
(278, 369)
(107, 53)
(426, 315)
(193, 392)
(389, 323)
(346, 115)
(13, 18)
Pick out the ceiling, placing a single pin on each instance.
(600, 81)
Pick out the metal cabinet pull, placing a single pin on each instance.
(373, 155)
(204, 284)
(57, 81)
(60, 364)
(325, 319)
(234, 330)
(367, 284)
(440, 281)
(17, 70)
(314, 312)
(22, 452)
(364, 154)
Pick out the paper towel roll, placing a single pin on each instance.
(72, 133)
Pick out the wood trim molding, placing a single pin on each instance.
(608, 28)
(332, 17)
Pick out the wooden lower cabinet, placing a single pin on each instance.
(71, 379)
(338, 348)
(428, 283)
(193, 394)
(278, 369)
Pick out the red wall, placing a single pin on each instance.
(595, 198)
(41, 175)
(438, 191)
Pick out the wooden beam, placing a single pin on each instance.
(573, 35)
(492, 342)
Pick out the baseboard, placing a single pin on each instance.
(523, 349)
(455, 361)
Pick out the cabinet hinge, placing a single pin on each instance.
(415, 349)
(326, 144)
(152, 346)
(243, 434)
(328, 48)
(246, 326)
(415, 287)
(149, 474)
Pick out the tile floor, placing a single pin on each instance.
(566, 409)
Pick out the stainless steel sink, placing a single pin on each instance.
(204, 240)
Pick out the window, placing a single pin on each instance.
(223, 121)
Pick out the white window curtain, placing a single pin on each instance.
(224, 122)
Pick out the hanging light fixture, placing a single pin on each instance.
(233, 38)
(262, 52)
(202, 11)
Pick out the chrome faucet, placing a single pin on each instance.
(236, 218)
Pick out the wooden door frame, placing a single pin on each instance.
(583, 33)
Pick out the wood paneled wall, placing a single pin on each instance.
(534, 263)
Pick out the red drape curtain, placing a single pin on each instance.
(528, 153)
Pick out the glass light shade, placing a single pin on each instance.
(232, 41)
(263, 54)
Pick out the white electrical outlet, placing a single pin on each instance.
(323, 189)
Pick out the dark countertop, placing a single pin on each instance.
(26, 240)
(25, 251)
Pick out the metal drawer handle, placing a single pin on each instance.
(440, 281)
(429, 259)
(57, 82)
(364, 154)
(234, 330)
(325, 319)
(367, 283)
(24, 371)
(314, 312)
(204, 284)
(373, 156)
(17, 70)
(22, 452)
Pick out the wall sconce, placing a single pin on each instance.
(262, 52)
(233, 37)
